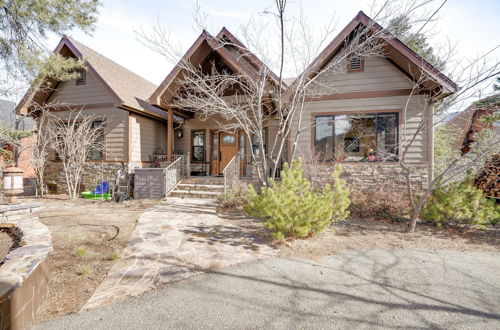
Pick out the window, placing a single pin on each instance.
(198, 146)
(82, 78)
(364, 137)
(97, 153)
(256, 142)
(356, 64)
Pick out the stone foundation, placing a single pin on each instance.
(93, 173)
(372, 176)
(23, 276)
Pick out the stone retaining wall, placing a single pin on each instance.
(23, 276)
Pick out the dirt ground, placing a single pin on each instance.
(359, 234)
(5, 244)
(87, 238)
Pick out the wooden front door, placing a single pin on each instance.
(224, 147)
(228, 148)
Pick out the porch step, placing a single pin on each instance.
(204, 180)
(194, 194)
(201, 187)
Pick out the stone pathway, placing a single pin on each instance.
(172, 241)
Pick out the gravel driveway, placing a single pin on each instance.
(408, 289)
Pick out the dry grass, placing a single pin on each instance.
(84, 236)
(352, 234)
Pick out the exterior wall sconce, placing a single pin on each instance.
(13, 183)
(180, 133)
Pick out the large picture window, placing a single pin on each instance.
(198, 146)
(360, 137)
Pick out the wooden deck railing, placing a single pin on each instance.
(232, 173)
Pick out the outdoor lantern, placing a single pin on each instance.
(180, 133)
(12, 183)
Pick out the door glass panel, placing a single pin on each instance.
(215, 146)
(228, 139)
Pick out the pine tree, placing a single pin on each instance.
(24, 26)
(292, 208)
(401, 29)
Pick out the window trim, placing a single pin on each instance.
(204, 146)
(361, 67)
(399, 112)
(82, 78)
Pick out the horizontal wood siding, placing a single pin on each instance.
(418, 152)
(379, 74)
(116, 130)
(92, 92)
(147, 135)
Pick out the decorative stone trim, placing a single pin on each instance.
(23, 276)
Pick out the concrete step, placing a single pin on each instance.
(201, 187)
(194, 194)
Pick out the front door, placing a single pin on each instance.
(228, 148)
(224, 147)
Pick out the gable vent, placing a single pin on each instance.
(82, 78)
(355, 63)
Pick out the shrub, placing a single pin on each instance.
(81, 252)
(83, 271)
(461, 203)
(233, 198)
(292, 208)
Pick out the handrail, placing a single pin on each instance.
(173, 173)
(232, 177)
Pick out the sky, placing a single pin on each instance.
(472, 25)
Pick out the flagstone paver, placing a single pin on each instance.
(172, 241)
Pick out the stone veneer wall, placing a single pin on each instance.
(93, 173)
(23, 276)
(371, 176)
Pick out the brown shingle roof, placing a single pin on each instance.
(130, 88)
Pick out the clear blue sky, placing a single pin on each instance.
(473, 24)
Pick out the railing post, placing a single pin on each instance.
(188, 165)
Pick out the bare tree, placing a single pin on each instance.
(472, 75)
(41, 150)
(250, 100)
(74, 140)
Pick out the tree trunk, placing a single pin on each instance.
(413, 223)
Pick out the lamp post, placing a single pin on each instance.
(13, 183)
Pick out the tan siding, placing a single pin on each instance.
(418, 151)
(379, 74)
(147, 135)
(93, 92)
(116, 131)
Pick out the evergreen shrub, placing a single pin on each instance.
(293, 208)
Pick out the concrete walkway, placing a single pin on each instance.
(412, 289)
(172, 241)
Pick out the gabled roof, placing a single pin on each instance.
(232, 51)
(128, 89)
(401, 55)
